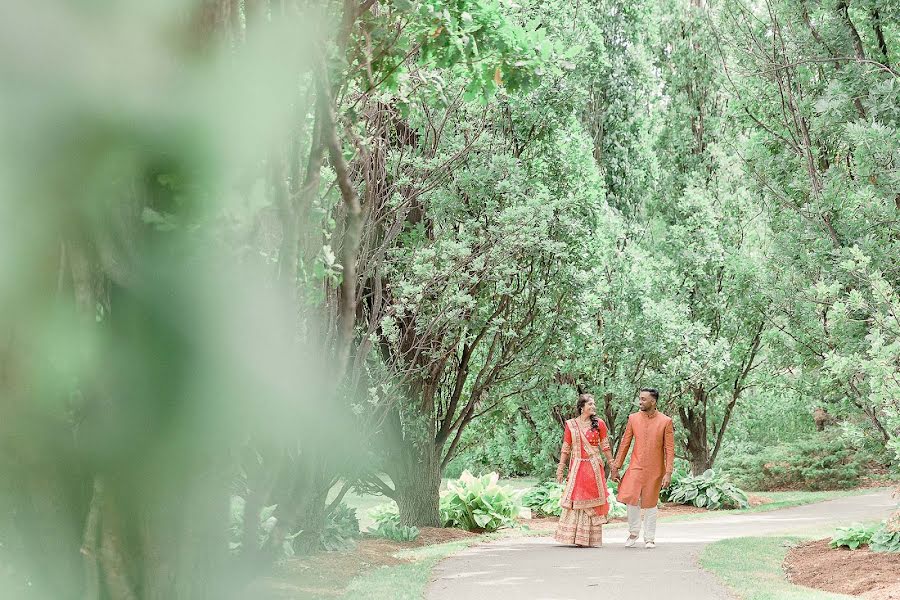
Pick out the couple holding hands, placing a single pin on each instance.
(584, 500)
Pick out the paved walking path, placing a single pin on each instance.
(540, 569)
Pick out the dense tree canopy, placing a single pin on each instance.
(296, 248)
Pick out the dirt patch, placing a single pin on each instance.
(440, 535)
(755, 500)
(870, 575)
(669, 509)
(327, 574)
(878, 478)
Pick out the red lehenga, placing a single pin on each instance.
(584, 500)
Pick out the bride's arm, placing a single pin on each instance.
(564, 456)
(607, 454)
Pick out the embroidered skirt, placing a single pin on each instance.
(580, 526)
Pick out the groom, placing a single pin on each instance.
(651, 465)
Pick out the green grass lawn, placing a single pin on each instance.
(751, 568)
(779, 500)
(788, 499)
(406, 581)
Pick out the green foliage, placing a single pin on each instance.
(885, 540)
(478, 40)
(709, 490)
(266, 524)
(816, 462)
(494, 49)
(852, 537)
(616, 509)
(679, 473)
(341, 528)
(385, 514)
(523, 440)
(635, 214)
(543, 499)
(887, 537)
(478, 503)
(836, 283)
(395, 531)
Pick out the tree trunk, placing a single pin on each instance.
(693, 418)
(301, 503)
(699, 458)
(311, 520)
(609, 413)
(418, 492)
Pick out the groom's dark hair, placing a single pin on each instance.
(652, 391)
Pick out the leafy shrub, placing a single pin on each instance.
(817, 462)
(887, 537)
(478, 503)
(709, 490)
(395, 531)
(616, 509)
(341, 528)
(523, 439)
(265, 525)
(507, 445)
(679, 473)
(384, 514)
(543, 499)
(852, 537)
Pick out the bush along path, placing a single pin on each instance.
(534, 568)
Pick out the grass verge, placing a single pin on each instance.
(751, 568)
(406, 581)
(779, 500)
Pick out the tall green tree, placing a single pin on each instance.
(815, 89)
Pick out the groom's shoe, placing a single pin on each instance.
(630, 542)
(650, 545)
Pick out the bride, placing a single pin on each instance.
(584, 500)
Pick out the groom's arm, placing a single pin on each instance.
(669, 446)
(624, 445)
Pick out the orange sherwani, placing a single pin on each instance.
(653, 456)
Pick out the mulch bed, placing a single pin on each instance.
(669, 510)
(439, 535)
(869, 575)
(327, 574)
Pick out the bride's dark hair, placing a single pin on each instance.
(582, 400)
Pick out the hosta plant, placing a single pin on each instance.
(616, 508)
(887, 537)
(265, 525)
(341, 528)
(852, 537)
(678, 474)
(395, 531)
(478, 503)
(387, 513)
(709, 490)
(543, 499)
